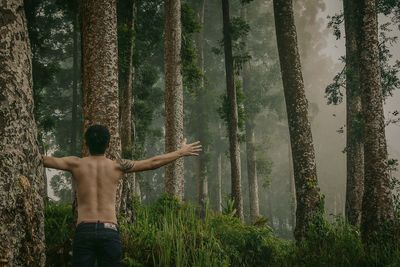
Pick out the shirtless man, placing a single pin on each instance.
(96, 179)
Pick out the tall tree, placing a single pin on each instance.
(100, 71)
(233, 129)
(377, 206)
(202, 183)
(354, 144)
(309, 203)
(76, 79)
(126, 15)
(250, 139)
(21, 171)
(174, 183)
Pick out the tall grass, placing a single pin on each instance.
(171, 233)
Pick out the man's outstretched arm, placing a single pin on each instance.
(158, 161)
(65, 163)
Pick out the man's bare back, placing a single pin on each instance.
(96, 180)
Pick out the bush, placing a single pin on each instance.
(330, 244)
(58, 233)
(247, 245)
(170, 233)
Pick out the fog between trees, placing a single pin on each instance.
(319, 53)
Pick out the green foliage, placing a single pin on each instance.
(389, 73)
(224, 109)
(247, 245)
(61, 185)
(190, 70)
(264, 170)
(229, 207)
(382, 247)
(336, 244)
(170, 233)
(58, 233)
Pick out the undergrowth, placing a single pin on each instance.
(171, 233)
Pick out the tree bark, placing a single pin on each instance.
(174, 182)
(251, 156)
(292, 189)
(21, 172)
(100, 71)
(377, 207)
(202, 182)
(219, 182)
(74, 116)
(309, 204)
(233, 130)
(76, 77)
(126, 72)
(354, 143)
(252, 172)
(250, 141)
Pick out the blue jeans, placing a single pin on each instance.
(96, 241)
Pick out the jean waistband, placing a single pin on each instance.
(92, 226)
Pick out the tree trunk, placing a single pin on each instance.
(308, 197)
(233, 130)
(251, 156)
(100, 71)
(292, 189)
(219, 182)
(74, 116)
(126, 72)
(174, 183)
(252, 171)
(270, 214)
(202, 183)
(377, 207)
(354, 144)
(76, 76)
(21, 172)
(250, 141)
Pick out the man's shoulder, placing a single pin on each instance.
(123, 165)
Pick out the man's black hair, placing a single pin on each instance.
(97, 138)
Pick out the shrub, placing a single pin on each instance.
(58, 233)
(170, 233)
(330, 244)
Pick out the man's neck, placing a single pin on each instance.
(97, 155)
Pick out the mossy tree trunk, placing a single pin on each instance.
(233, 129)
(202, 127)
(251, 155)
(126, 13)
(100, 71)
(75, 83)
(174, 183)
(21, 170)
(377, 207)
(250, 139)
(309, 202)
(354, 143)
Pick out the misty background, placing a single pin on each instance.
(320, 52)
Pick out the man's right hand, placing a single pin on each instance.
(192, 149)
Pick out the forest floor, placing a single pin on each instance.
(169, 233)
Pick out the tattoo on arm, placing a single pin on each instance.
(126, 165)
